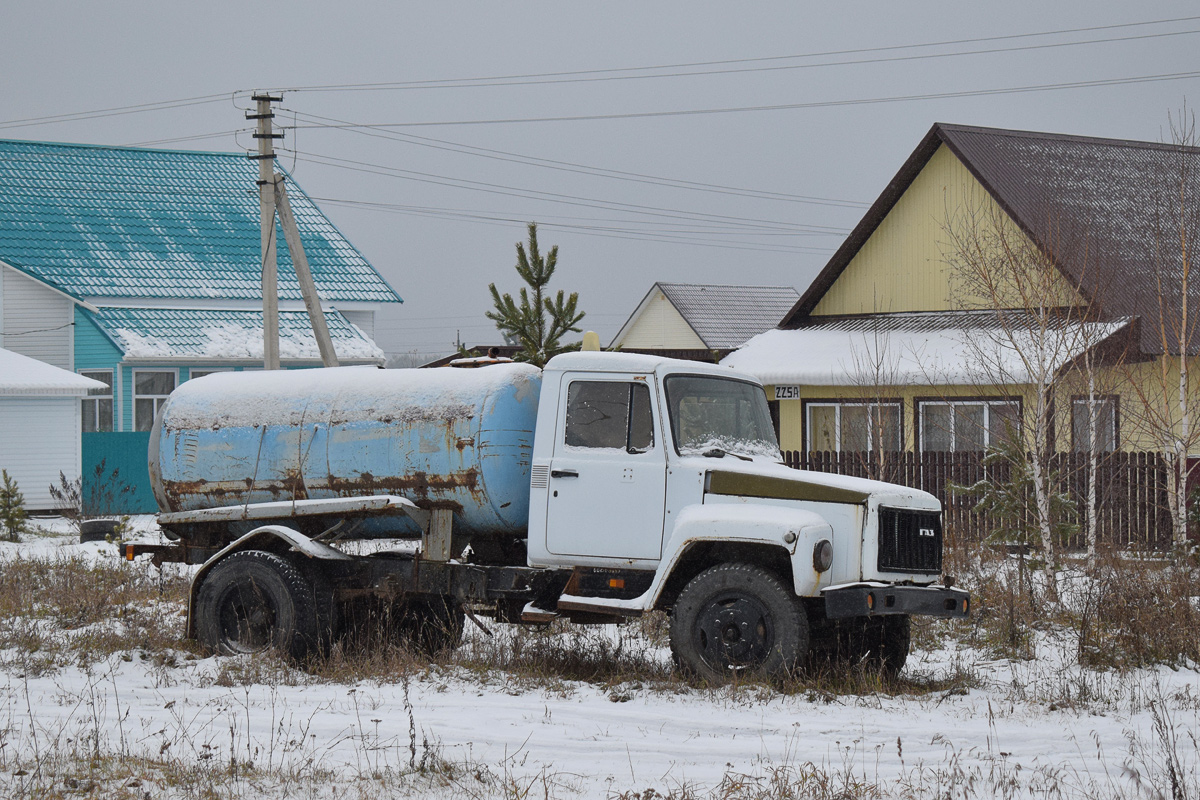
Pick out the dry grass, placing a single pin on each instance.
(62, 611)
(69, 609)
(1135, 612)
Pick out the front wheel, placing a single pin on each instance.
(254, 601)
(736, 619)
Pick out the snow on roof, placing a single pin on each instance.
(726, 316)
(97, 221)
(608, 361)
(223, 334)
(838, 354)
(27, 376)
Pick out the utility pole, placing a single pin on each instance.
(308, 288)
(266, 203)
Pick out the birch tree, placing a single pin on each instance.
(1163, 409)
(1034, 327)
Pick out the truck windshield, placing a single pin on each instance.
(719, 415)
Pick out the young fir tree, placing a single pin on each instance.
(12, 508)
(536, 322)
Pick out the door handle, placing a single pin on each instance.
(563, 473)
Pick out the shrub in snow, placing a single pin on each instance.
(12, 508)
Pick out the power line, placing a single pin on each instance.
(599, 223)
(1174, 76)
(821, 65)
(163, 105)
(194, 138)
(584, 169)
(628, 235)
(441, 180)
(582, 74)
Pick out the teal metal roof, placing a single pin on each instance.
(99, 221)
(218, 335)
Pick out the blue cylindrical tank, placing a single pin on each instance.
(447, 438)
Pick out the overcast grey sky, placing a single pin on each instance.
(439, 215)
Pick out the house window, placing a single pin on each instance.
(1106, 424)
(150, 390)
(966, 425)
(98, 405)
(609, 414)
(853, 427)
(200, 373)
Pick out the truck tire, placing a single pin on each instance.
(736, 619)
(254, 601)
(433, 625)
(886, 643)
(876, 643)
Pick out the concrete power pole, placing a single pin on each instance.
(266, 203)
(312, 302)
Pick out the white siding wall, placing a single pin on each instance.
(31, 306)
(365, 320)
(39, 436)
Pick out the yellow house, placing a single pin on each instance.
(1002, 277)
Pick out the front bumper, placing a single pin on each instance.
(872, 600)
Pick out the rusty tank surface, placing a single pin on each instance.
(443, 438)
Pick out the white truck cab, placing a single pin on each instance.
(648, 472)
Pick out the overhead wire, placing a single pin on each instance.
(600, 232)
(116, 111)
(579, 74)
(783, 106)
(584, 169)
(424, 177)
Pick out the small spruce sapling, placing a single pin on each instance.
(536, 323)
(12, 508)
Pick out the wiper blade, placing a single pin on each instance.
(717, 452)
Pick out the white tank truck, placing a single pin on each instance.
(599, 489)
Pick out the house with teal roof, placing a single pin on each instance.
(141, 269)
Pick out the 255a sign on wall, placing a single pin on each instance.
(787, 392)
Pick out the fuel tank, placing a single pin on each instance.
(444, 438)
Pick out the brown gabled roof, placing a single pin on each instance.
(1106, 210)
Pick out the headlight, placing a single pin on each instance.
(822, 555)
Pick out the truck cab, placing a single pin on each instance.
(647, 472)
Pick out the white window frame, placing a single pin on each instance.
(158, 399)
(987, 404)
(94, 397)
(838, 405)
(1104, 403)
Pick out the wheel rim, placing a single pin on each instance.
(247, 620)
(735, 632)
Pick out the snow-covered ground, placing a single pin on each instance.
(1027, 727)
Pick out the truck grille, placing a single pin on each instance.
(910, 541)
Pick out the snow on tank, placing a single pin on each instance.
(448, 438)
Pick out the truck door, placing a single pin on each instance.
(608, 474)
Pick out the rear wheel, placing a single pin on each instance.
(735, 619)
(254, 601)
(886, 642)
(432, 625)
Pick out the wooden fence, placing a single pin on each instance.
(1131, 489)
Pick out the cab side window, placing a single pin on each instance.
(609, 414)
